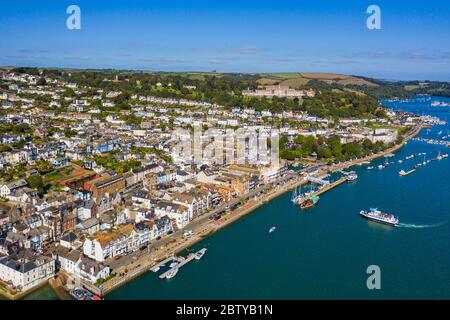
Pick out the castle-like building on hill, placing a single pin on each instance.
(278, 91)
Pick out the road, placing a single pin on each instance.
(194, 224)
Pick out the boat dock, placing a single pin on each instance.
(320, 180)
(181, 263)
(164, 262)
(330, 186)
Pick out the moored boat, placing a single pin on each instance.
(199, 254)
(155, 269)
(171, 273)
(309, 202)
(83, 294)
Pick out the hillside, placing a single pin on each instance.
(214, 85)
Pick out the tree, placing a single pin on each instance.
(41, 81)
(324, 153)
(36, 182)
(335, 144)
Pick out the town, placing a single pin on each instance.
(91, 187)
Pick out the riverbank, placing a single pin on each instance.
(18, 295)
(144, 262)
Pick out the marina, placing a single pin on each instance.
(180, 262)
(325, 186)
(330, 186)
(437, 142)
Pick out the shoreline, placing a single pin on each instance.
(145, 261)
(8, 295)
(234, 215)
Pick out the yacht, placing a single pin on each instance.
(352, 177)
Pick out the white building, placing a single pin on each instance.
(25, 274)
(80, 267)
(123, 240)
(175, 211)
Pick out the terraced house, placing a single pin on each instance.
(122, 240)
(178, 212)
(195, 200)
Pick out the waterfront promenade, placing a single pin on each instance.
(137, 263)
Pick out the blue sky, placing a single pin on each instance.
(232, 36)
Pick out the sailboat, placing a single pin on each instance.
(294, 196)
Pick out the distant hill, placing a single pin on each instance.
(235, 82)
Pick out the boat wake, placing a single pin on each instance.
(421, 226)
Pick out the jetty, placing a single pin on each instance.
(318, 180)
(330, 186)
(181, 263)
(164, 262)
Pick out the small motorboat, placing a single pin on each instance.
(173, 264)
(273, 229)
(155, 269)
(199, 254)
(78, 293)
(172, 273)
